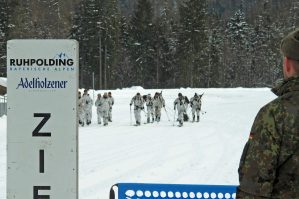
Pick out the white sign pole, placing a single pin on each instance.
(42, 124)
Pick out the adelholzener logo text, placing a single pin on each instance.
(37, 83)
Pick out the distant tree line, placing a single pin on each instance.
(160, 44)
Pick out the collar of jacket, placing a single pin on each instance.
(285, 86)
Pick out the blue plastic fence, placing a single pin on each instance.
(171, 191)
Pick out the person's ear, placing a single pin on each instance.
(287, 64)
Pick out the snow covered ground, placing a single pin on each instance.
(207, 152)
(3, 81)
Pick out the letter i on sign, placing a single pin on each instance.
(36, 133)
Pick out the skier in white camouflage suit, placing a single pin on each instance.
(111, 99)
(81, 113)
(179, 104)
(87, 106)
(138, 102)
(149, 108)
(106, 103)
(196, 106)
(158, 103)
(99, 104)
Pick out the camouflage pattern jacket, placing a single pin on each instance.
(269, 166)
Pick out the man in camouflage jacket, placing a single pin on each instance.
(269, 166)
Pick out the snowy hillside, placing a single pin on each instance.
(207, 152)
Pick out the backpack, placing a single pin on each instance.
(144, 97)
(187, 100)
(186, 117)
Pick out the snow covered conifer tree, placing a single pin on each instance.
(193, 43)
(141, 47)
(3, 34)
(238, 33)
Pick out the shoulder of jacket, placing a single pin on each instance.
(274, 104)
(274, 109)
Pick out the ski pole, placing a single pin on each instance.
(198, 117)
(169, 109)
(191, 113)
(144, 112)
(166, 114)
(174, 117)
(130, 115)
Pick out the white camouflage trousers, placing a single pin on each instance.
(110, 114)
(137, 113)
(181, 116)
(81, 116)
(105, 116)
(150, 112)
(100, 115)
(88, 115)
(195, 110)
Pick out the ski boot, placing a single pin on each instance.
(148, 120)
(153, 119)
(193, 120)
(158, 119)
(180, 124)
(197, 119)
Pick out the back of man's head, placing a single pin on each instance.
(290, 48)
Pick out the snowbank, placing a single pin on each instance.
(134, 88)
(3, 81)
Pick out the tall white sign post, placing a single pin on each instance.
(42, 129)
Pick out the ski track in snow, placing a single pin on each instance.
(207, 152)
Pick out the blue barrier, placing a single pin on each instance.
(171, 191)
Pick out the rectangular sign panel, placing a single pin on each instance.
(42, 125)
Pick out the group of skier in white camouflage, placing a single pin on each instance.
(104, 108)
(153, 105)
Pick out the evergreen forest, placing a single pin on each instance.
(160, 43)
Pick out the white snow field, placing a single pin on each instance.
(207, 152)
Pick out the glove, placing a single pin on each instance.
(142, 108)
(164, 106)
(130, 104)
(86, 102)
